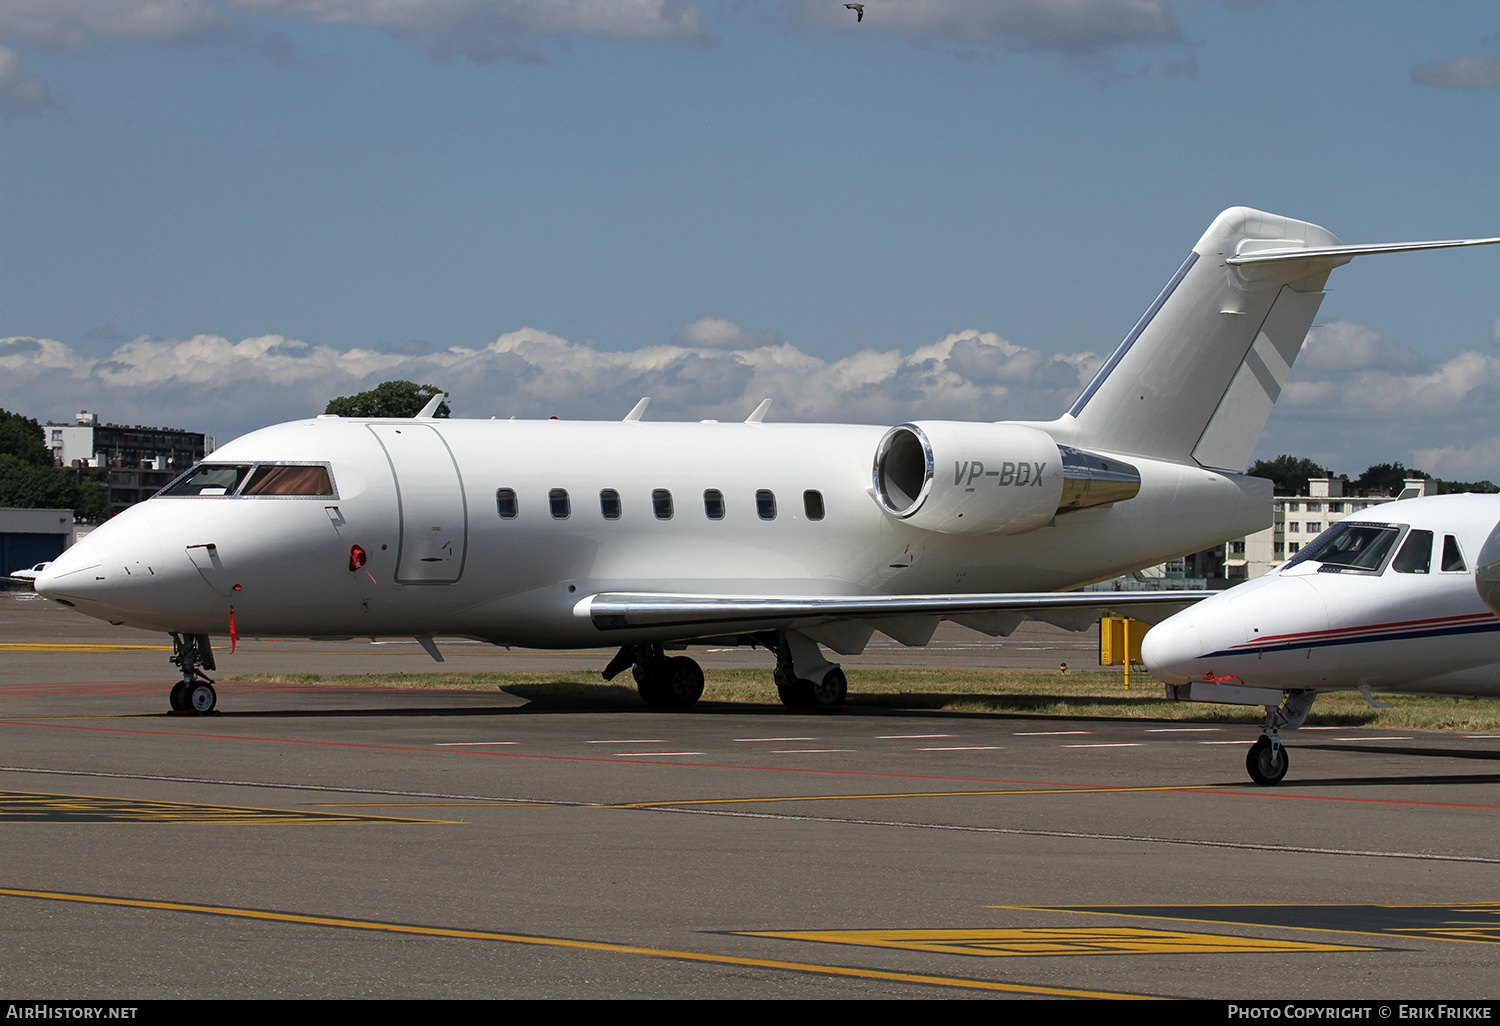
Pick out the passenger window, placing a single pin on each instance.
(713, 504)
(1453, 557)
(505, 503)
(561, 508)
(609, 504)
(661, 504)
(765, 504)
(1415, 556)
(812, 504)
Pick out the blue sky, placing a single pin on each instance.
(219, 213)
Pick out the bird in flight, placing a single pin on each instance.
(858, 9)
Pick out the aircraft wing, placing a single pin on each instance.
(909, 619)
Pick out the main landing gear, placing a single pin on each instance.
(804, 679)
(661, 681)
(195, 692)
(1267, 761)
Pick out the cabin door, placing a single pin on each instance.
(430, 493)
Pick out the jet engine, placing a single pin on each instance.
(960, 478)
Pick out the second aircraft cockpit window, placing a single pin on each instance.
(1349, 547)
(251, 479)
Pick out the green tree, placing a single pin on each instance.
(1288, 473)
(1446, 487)
(27, 486)
(1386, 477)
(22, 438)
(392, 399)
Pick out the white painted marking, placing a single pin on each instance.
(906, 737)
(631, 741)
(1223, 742)
(1049, 733)
(1394, 737)
(472, 744)
(960, 748)
(1106, 744)
(801, 751)
(1182, 730)
(622, 754)
(775, 739)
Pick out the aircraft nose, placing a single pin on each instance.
(76, 574)
(1172, 649)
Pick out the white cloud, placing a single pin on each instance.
(1354, 398)
(1460, 73)
(484, 30)
(1078, 28)
(20, 91)
(716, 333)
(226, 388)
(78, 24)
(481, 30)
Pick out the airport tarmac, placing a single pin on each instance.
(339, 842)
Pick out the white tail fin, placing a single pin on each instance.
(1196, 378)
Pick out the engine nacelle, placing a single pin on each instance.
(969, 478)
(964, 478)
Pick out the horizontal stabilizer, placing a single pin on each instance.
(1347, 252)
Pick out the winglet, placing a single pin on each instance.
(428, 411)
(760, 412)
(638, 410)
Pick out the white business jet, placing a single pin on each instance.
(1384, 599)
(791, 536)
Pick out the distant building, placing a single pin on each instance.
(1295, 521)
(138, 460)
(1298, 519)
(31, 536)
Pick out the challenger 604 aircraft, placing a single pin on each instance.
(1384, 599)
(649, 536)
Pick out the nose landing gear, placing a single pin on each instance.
(195, 692)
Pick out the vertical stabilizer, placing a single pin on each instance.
(1195, 379)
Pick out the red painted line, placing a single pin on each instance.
(1328, 633)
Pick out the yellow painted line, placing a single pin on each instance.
(1047, 941)
(41, 807)
(906, 794)
(1462, 933)
(26, 646)
(561, 942)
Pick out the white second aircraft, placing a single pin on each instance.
(649, 536)
(1384, 599)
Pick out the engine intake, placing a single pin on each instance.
(1004, 478)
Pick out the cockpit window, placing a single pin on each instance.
(209, 479)
(1347, 546)
(1415, 556)
(1453, 557)
(253, 479)
(276, 480)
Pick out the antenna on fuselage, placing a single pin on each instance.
(638, 410)
(427, 411)
(760, 412)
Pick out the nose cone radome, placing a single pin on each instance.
(78, 574)
(1172, 649)
(115, 573)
